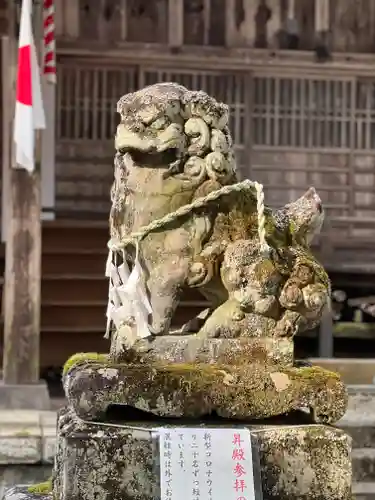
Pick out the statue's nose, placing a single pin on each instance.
(311, 193)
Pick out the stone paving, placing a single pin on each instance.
(27, 437)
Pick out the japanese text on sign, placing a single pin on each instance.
(206, 464)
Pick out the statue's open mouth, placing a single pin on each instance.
(151, 158)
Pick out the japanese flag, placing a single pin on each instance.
(29, 114)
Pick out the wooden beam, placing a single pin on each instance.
(284, 63)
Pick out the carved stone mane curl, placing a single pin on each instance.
(180, 133)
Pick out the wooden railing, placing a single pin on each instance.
(218, 23)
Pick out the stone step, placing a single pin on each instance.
(359, 420)
(363, 491)
(361, 406)
(352, 371)
(363, 436)
(363, 461)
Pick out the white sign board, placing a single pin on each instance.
(206, 464)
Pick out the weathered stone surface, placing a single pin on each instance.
(116, 462)
(194, 349)
(176, 390)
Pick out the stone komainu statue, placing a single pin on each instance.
(182, 219)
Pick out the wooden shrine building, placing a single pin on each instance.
(298, 76)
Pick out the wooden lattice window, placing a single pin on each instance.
(364, 125)
(305, 113)
(87, 98)
(226, 87)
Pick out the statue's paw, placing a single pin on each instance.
(198, 274)
(315, 297)
(289, 324)
(267, 306)
(225, 322)
(157, 329)
(291, 296)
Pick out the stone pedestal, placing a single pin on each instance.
(199, 389)
(121, 460)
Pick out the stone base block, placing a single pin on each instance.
(193, 349)
(24, 397)
(197, 390)
(117, 461)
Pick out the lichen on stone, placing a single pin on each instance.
(41, 488)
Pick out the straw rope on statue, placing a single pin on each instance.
(128, 303)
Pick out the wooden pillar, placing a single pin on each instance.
(22, 280)
(71, 18)
(248, 27)
(274, 25)
(326, 346)
(6, 113)
(175, 23)
(322, 29)
(292, 27)
(321, 16)
(22, 269)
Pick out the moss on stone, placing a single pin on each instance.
(193, 390)
(313, 373)
(41, 488)
(22, 433)
(82, 357)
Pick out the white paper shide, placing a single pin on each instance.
(206, 464)
(128, 305)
